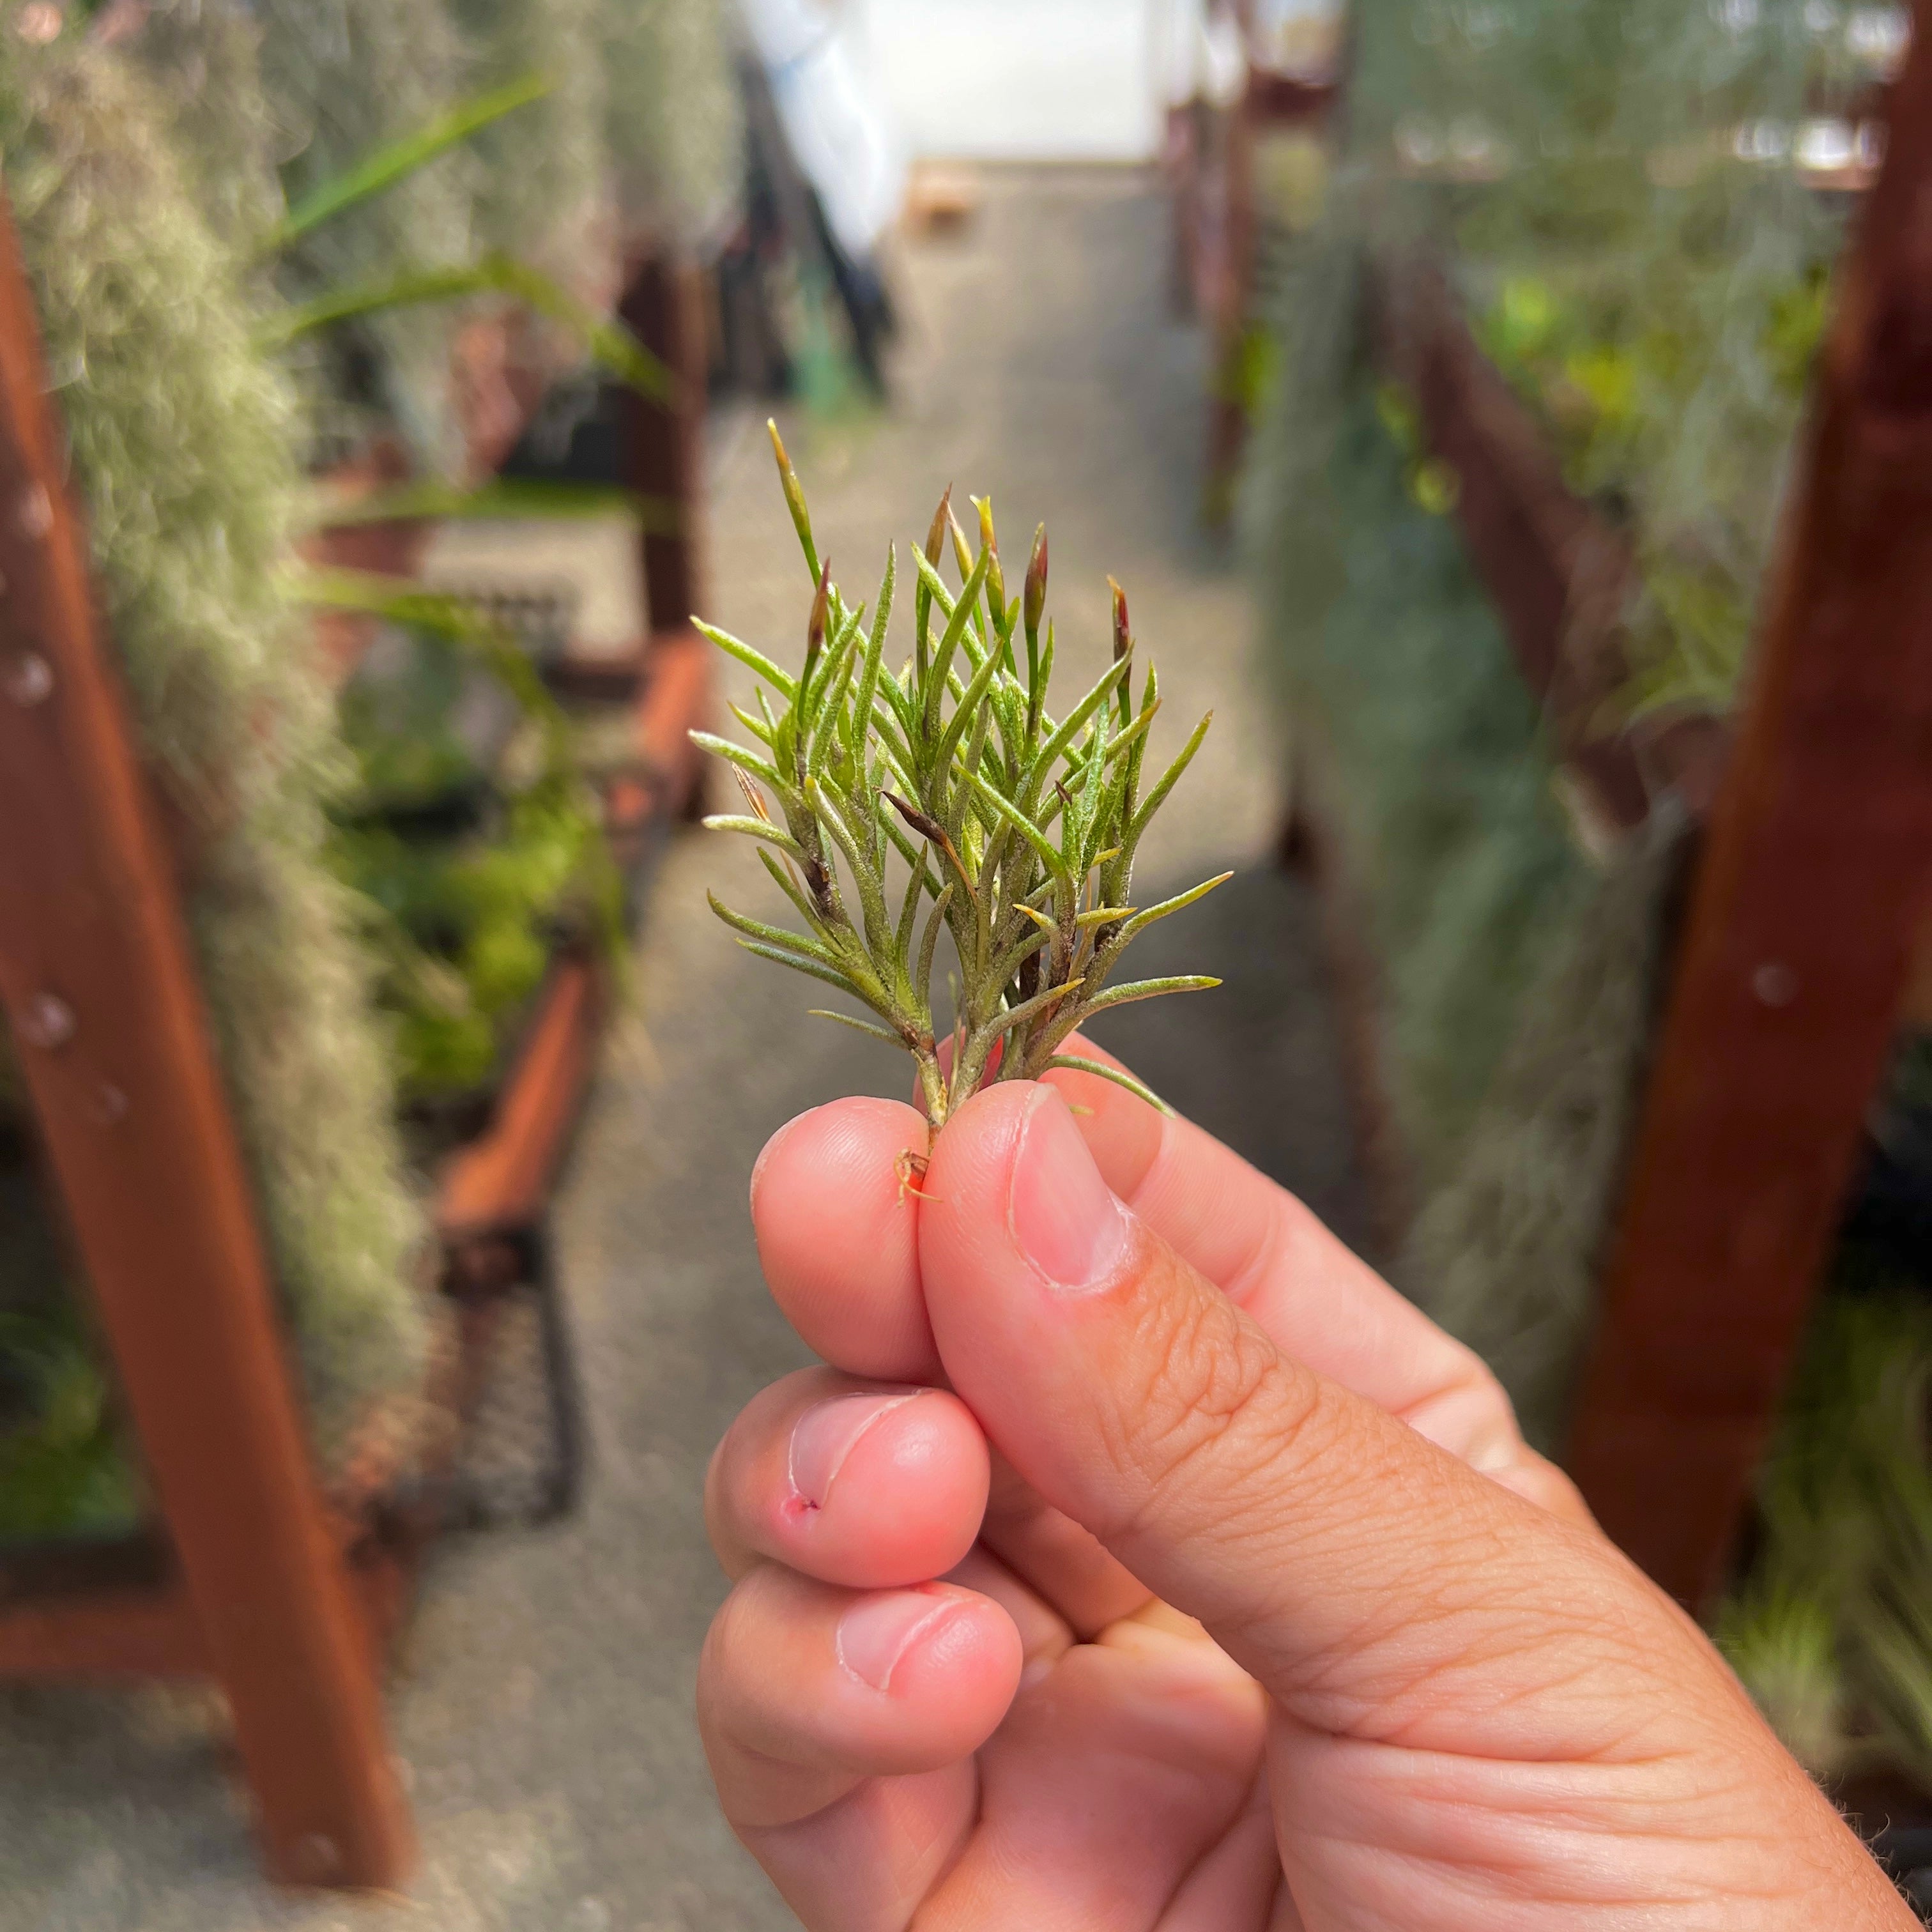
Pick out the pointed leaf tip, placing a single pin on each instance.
(815, 630)
(1035, 582)
(1123, 639)
(935, 537)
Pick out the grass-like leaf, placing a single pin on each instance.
(382, 168)
(610, 344)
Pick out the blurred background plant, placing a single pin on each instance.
(1637, 207)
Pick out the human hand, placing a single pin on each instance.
(1423, 1692)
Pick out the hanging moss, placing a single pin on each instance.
(1506, 1252)
(544, 191)
(183, 445)
(675, 123)
(204, 57)
(341, 78)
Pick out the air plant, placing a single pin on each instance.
(1018, 832)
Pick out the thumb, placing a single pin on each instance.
(1366, 1577)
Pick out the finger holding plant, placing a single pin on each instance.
(1017, 833)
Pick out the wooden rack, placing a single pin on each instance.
(257, 1584)
(1813, 874)
(1210, 161)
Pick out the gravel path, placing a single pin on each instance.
(544, 1703)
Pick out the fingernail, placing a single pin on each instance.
(827, 1433)
(875, 1634)
(1064, 1215)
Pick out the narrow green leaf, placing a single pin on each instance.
(918, 882)
(1006, 963)
(929, 944)
(970, 711)
(787, 884)
(1074, 1063)
(868, 681)
(794, 496)
(386, 166)
(808, 967)
(949, 643)
(870, 889)
(857, 1025)
(1168, 780)
(756, 828)
(746, 655)
(762, 769)
(1028, 1009)
(1025, 826)
(1068, 730)
(759, 728)
(806, 948)
(1141, 921)
(1150, 989)
(610, 344)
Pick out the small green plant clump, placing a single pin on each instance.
(1018, 831)
(471, 863)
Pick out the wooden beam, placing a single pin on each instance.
(664, 441)
(499, 1182)
(1795, 955)
(1558, 573)
(99, 986)
(113, 1626)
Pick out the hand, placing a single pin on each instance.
(1098, 1379)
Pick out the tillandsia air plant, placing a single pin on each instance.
(1018, 831)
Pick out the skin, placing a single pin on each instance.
(1155, 1567)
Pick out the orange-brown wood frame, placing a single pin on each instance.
(1794, 959)
(100, 988)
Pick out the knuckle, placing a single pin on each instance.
(1216, 1406)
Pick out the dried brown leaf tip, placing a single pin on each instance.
(935, 537)
(939, 802)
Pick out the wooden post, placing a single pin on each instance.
(1558, 574)
(1794, 954)
(99, 985)
(664, 307)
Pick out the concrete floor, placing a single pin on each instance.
(544, 1705)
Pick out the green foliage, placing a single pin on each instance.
(1020, 832)
(395, 161)
(63, 1469)
(1612, 182)
(465, 927)
(1830, 1630)
(463, 920)
(344, 80)
(1422, 742)
(610, 344)
(674, 122)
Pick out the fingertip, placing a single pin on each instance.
(835, 1213)
(907, 1497)
(833, 1134)
(950, 1653)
